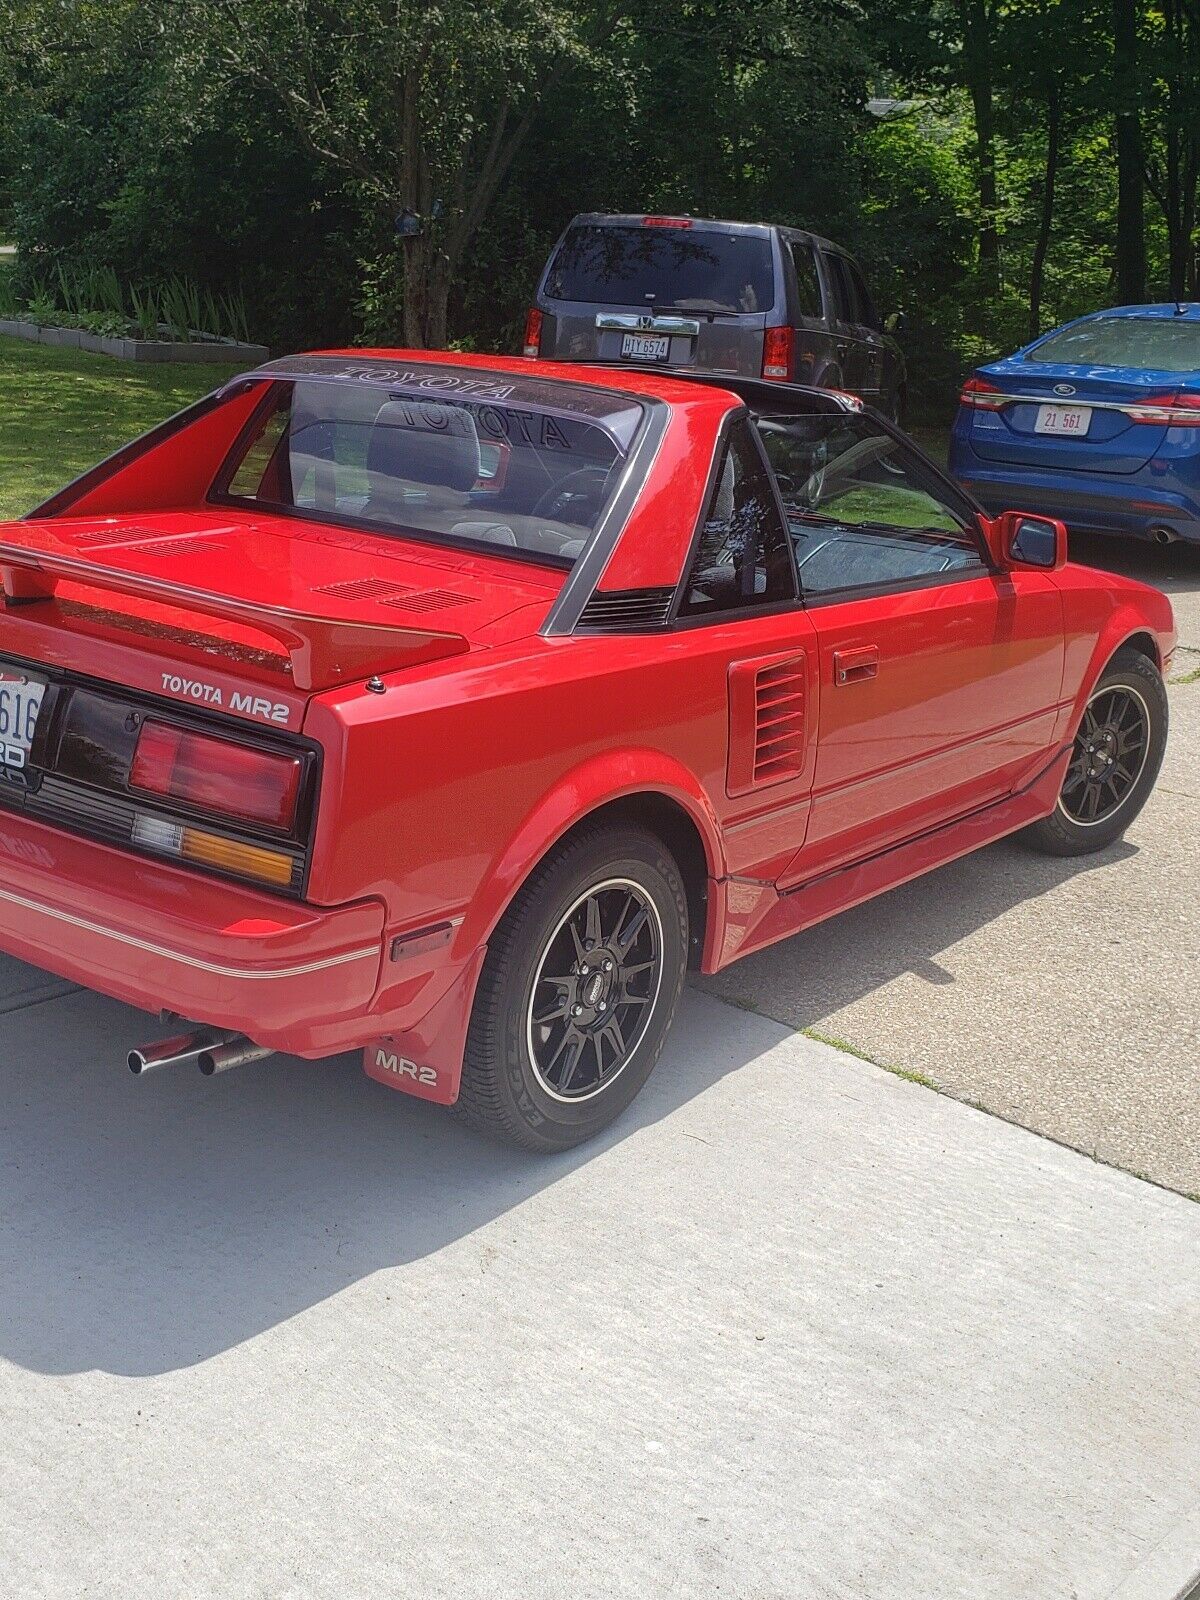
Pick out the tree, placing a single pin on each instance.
(1131, 208)
(977, 21)
(1173, 157)
(423, 107)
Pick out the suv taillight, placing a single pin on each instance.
(533, 332)
(232, 779)
(779, 350)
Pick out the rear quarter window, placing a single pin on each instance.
(808, 285)
(689, 269)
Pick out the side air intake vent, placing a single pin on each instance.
(768, 740)
(778, 722)
(626, 611)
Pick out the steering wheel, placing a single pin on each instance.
(574, 498)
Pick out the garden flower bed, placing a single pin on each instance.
(174, 322)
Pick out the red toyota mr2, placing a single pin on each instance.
(449, 708)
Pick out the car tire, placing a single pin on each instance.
(592, 951)
(1114, 760)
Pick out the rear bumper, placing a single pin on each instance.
(1088, 504)
(294, 977)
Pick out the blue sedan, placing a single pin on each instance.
(1096, 423)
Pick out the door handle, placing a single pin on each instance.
(855, 666)
(841, 351)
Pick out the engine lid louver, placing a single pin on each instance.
(627, 611)
(768, 735)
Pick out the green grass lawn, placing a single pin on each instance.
(61, 411)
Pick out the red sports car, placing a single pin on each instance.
(450, 707)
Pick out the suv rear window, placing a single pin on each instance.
(688, 269)
(473, 472)
(1162, 344)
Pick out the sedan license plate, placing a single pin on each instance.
(20, 703)
(1071, 421)
(645, 346)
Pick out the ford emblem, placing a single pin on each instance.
(1064, 388)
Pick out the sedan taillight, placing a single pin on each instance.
(216, 775)
(981, 395)
(1167, 410)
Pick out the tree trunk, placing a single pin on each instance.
(1046, 219)
(976, 22)
(1131, 220)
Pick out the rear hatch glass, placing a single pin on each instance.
(681, 268)
(527, 469)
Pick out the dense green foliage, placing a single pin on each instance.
(998, 165)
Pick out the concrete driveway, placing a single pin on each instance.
(794, 1329)
(1060, 994)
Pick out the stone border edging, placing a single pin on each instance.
(124, 349)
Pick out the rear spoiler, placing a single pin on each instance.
(322, 652)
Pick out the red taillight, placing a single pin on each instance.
(533, 332)
(1167, 410)
(779, 348)
(666, 222)
(214, 773)
(983, 396)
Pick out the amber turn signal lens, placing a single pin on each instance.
(230, 855)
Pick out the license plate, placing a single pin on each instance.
(645, 346)
(20, 702)
(1072, 421)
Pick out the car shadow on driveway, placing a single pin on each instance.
(148, 1224)
(805, 979)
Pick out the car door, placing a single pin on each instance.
(938, 678)
(849, 345)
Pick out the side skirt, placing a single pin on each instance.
(814, 901)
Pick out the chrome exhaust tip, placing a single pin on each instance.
(1163, 535)
(235, 1051)
(180, 1050)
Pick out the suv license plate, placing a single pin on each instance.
(20, 703)
(1072, 421)
(645, 346)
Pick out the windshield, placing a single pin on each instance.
(1162, 344)
(686, 269)
(470, 471)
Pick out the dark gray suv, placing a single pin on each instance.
(750, 299)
